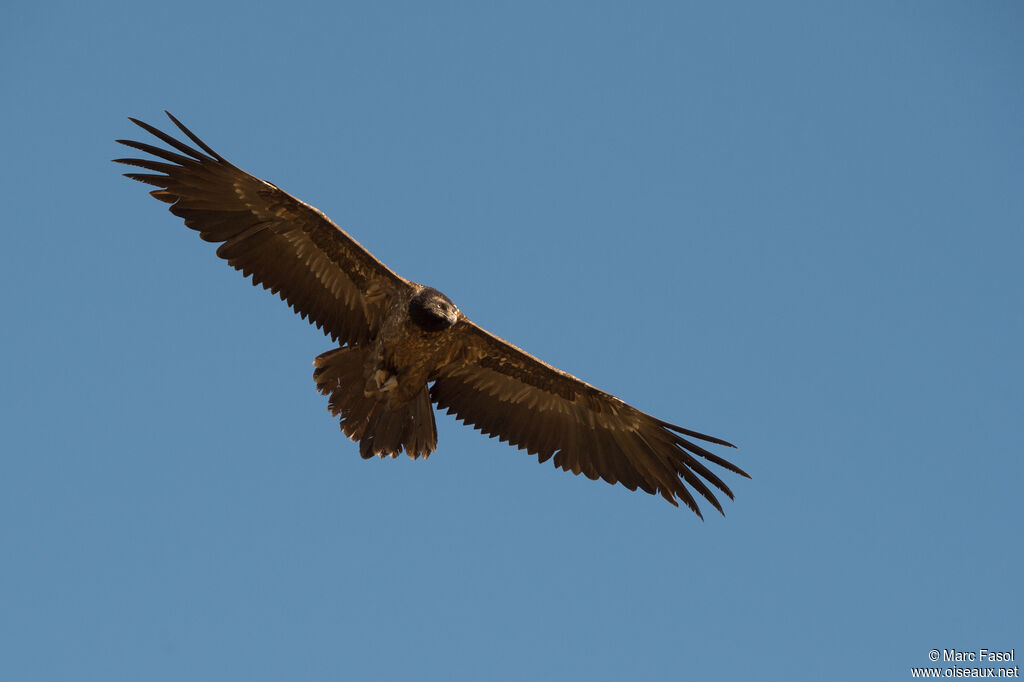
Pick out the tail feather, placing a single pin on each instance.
(368, 421)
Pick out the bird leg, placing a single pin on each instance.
(385, 381)
(382, 382)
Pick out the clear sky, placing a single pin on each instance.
(798, 226)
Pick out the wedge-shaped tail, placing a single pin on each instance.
(367, 420)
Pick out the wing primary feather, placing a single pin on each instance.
(177, 144)
(192, 136)
(684, 469)
(694, 434)
(148, 178)
(709, 475)
(148, 164)
(157, 151)
(698, 450)
(651, 465)
(699, 486)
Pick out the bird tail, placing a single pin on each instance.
(367, 420)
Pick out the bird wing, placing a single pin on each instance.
(288, 246)
(503, 391)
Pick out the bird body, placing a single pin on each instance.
(404, 346)
(412, 344)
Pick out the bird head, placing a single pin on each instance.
(432, 311)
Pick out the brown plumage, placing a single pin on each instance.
(404, 346)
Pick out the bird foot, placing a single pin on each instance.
(385, 381)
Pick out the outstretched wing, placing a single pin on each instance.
(503, 391)
(285, 244)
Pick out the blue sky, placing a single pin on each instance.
(798, 226)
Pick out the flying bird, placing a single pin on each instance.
(403, 345)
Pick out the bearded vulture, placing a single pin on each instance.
(403, 346)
